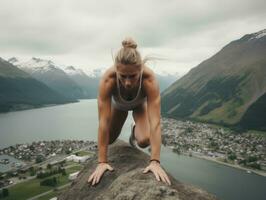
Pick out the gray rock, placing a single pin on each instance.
(127, 182)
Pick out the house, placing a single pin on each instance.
(78, 159)
(73, 176)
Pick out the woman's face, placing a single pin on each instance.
(128, 75)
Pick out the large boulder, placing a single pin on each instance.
(127, 182)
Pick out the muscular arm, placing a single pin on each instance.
(153, 103)
(104, 113)
(154, 109)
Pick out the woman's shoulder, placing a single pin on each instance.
(109, 74)
(148, 74)
(108, 78)
(150, 82)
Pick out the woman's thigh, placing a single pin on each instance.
(118, 118)
(142, 125)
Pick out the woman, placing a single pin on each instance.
(129, 85)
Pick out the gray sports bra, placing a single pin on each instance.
(121, 104)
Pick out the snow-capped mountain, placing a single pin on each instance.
(63, 78)
(88, 82)
(19, 90)
(72, 71)
(34, 64)
(257, 35)
(53, 76)
(95, 72)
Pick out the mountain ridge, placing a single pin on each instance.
(18, 90)
(222, 88)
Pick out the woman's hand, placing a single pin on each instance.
(99, 171)
(159, 173)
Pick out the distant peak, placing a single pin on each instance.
(13, 60)
(71, 70)
(41, 60)
(70, 67)
(1, 59)
(258, 35)
(36, 59)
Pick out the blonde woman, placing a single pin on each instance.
(129, 85)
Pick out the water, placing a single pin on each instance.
(13, 163)
(80, 121)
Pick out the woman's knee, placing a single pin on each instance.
(112, 140)
(143, 142)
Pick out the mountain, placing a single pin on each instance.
(87, 82)
(128, 182)
(18, 90)
(51, 75)
(165, 80)
(229, 88)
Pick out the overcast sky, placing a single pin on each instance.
(84, 33)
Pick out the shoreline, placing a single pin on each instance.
(207, 158)
(260, 173)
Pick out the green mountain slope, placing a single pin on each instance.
(224, 87)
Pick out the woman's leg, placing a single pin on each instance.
(118, 118)
(142, 125)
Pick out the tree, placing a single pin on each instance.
(49, 166)
(63, 171)
(49, 182)
(252, 159)
(5, 192)
(39, 159)
(232, 156)
(32, 171)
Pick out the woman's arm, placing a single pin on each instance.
(154, 109)
(104, 114)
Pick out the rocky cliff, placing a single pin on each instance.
(127, 181)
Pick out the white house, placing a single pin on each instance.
(73, 176)
(78, 159)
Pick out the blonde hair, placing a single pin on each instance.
(128, 54)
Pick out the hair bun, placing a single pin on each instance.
(129, 43)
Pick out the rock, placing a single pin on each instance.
(127, 182)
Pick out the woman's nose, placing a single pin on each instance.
(128, 82)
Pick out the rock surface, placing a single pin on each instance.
(127, 182)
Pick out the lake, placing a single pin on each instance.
(80, 121)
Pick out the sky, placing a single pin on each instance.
(85, 34)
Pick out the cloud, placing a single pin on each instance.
(83, 33)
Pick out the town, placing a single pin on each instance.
(50, 166)
(241, 150)
(47, 166)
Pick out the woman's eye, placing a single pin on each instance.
(128, 77)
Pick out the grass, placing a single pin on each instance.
(49, 196)
(32, 187)
(70, 163)
(74, 169)
(258, 133)
(52, 194)
(83, 153)
(26, 190)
